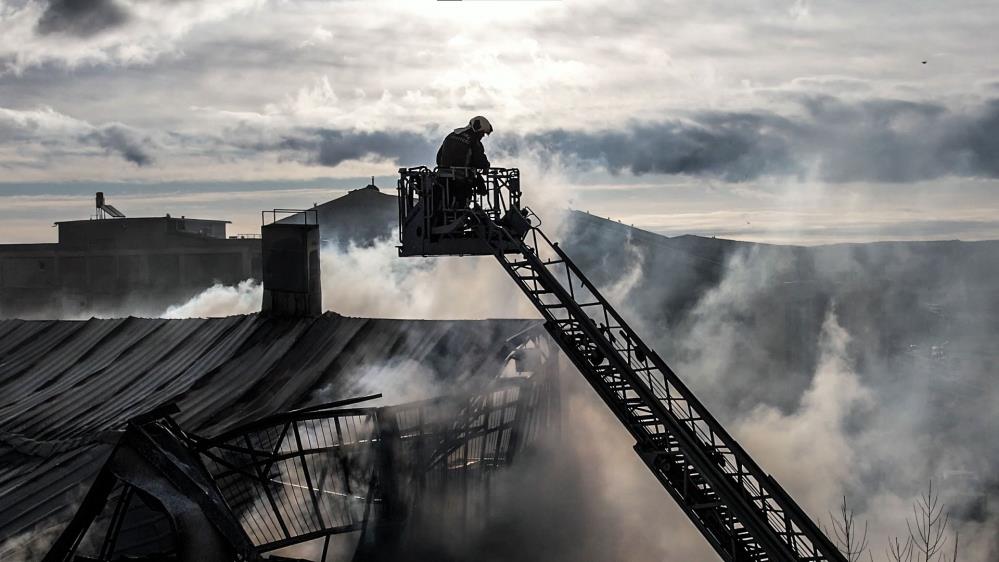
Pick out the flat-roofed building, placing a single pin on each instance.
(136, 264)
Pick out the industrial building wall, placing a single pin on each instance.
(54, 283)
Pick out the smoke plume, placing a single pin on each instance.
(220, 300)
(857, 371)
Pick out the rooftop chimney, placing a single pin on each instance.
(292, 283)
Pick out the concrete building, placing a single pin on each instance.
(108, 264)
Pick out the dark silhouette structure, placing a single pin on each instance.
(292, 282)
(462, 156)
(113, 261)
(433, 222)
(741, 511)
(462, 148)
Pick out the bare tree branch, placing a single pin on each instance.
(848, 540)
(928, 525)
(898, 551)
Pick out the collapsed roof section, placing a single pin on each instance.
(312, 473)
(68, 387)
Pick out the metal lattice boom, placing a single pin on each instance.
(742, 511)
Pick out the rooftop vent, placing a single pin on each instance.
(106, 210)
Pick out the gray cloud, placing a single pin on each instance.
(82, 18)
(826, 138)
(121, 140)
(733, 146)
(823, 138)
(876, 140)
(338, 146)
(331, 147)
(899, 141)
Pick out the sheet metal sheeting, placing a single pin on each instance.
(67, 387)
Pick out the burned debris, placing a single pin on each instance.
(306, 474)
(236, 471)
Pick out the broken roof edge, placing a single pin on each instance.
(326, 313)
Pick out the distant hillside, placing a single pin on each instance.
(753, 326)
(894, 298)
(898, 300)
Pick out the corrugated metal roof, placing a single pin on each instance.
(67, 386)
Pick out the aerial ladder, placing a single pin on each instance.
(740, 509)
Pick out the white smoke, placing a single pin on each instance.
(398, 381)
(808, 449)
(374, 282)
(29, 546)
(841, 434)
(861, 431)
(220, 300)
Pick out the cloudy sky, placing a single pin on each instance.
(783, 121)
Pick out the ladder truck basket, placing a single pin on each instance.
(441, 211)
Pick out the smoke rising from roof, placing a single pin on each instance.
(826, 363)
(863, 372)
(220, 300)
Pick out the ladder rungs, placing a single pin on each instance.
(706, 505)
(657, 411)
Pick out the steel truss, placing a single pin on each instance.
(298, 476)
(152, 500)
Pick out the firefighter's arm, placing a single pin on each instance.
(479, 159)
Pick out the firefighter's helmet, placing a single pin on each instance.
(480, 124)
